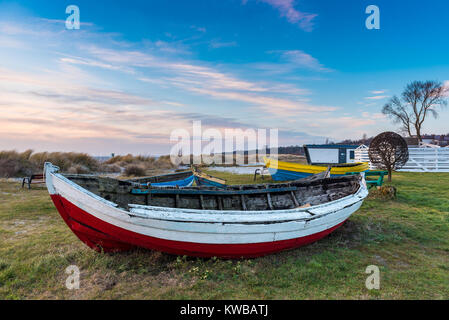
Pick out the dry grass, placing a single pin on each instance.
(14, 164)
(140, 165)
(407, 238)
(21, 164)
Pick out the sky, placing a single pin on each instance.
(136, 71)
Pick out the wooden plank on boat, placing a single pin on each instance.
(270, 205)
(202, 201)
(212, 192)
(220, 203)
(294, 199)
(177, 201)
(242, 198)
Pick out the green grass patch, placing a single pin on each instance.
(407, 238)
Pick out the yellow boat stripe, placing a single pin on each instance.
(281, 165)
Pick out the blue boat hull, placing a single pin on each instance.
(208, 183)
(187, 182)
(285, 175)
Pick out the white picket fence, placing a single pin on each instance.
(420, 159)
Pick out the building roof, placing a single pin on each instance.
(331, 146)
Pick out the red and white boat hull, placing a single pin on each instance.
(205, 233)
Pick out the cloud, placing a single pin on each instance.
(215, 44)
(58, 21)
(93, 63)
(347, 126)
(143, 97)
(287, 10)
(376, 97)
(275, 106)
(199, 29)
(446, 86)
(301, 59)
(96, 95)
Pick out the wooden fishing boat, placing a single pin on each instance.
(288, 171)
(180, 179)
(235, 222)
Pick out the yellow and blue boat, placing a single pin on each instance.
(286, 171)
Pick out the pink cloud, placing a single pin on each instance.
(286, 9)
(376, 97)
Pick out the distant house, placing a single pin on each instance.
(436, 139)
(412, 141)
(329, 153)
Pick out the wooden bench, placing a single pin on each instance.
(33, 179)
(373, 182)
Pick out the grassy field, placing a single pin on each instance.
(407, 238)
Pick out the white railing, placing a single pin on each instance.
(427, 160)
(420, 159)
(361, 155)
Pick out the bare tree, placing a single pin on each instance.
(388, 151)
(417, 101)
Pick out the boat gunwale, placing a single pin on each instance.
(180, 173)
(308, 168)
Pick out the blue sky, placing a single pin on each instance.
(137, 70)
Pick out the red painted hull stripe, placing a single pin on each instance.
(97, 234)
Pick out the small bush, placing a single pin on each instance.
(384, 193)
(145, 162)
(9, 168)
(135, 171)
(78, 169)
(110, 168)
(164, 162)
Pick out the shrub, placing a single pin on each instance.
(145, 162)
(110, 168)
(78, 169)
(65, 160)
(135, 170)
(163, 162)
(9, 168)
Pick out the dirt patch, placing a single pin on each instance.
(23, 227)
(348, 235)
(104, 281)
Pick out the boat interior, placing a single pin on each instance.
(163, 178)
(306, 192)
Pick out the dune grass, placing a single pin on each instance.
(20, 164)
(407, 238)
